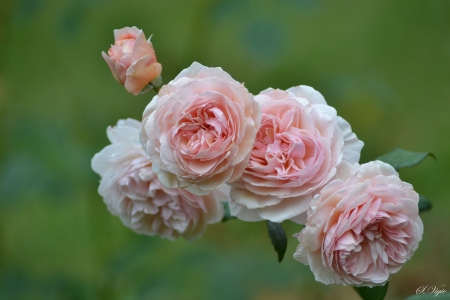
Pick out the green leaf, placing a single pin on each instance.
(374, 293)
(444, 296)
(227, 214)
(424, 203)
(399, 158)
(278, 238)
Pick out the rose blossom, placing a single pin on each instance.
(199, 130)
(133, 192)
(132, 60)
(298, 149)
(361, 228)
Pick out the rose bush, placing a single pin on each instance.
(132, 60)
(132, 191)
(298, 149)
(199, 130)
(361, 228)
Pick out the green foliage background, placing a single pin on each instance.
(385, 66)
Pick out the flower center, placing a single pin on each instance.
(283, 149)
(373, 242)
(201, 129)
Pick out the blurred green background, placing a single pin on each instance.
(385, 66)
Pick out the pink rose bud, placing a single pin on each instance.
(132, 60)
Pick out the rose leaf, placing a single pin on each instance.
(278, 238)
(372, 293)
(424, 203)
(399, 158)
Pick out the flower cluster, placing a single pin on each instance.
(280, 155)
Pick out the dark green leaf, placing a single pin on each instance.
(424, 203)
(278, 238)
(374, 293)
(444, 296)
(399, 158)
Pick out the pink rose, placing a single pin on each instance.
(199, 130)
(361, 228)
(133, 192)
(132, 60)
(299, 148)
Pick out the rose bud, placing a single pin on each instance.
(132, 60)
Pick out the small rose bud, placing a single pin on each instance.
(132, 60)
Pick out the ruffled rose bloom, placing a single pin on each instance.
(132, 60)
(298, 149)
(361, 228)
(132, 191)
(199, 130)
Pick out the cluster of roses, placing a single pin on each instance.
(281, 155)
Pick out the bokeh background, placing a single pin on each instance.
(385, 66)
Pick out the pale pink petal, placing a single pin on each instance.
(142, 48)
(353, 146)
(126, 33)
(250, 200)
(141, 73)
(112, 66)
(243, 213)
(307, 92)
(287, 209)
